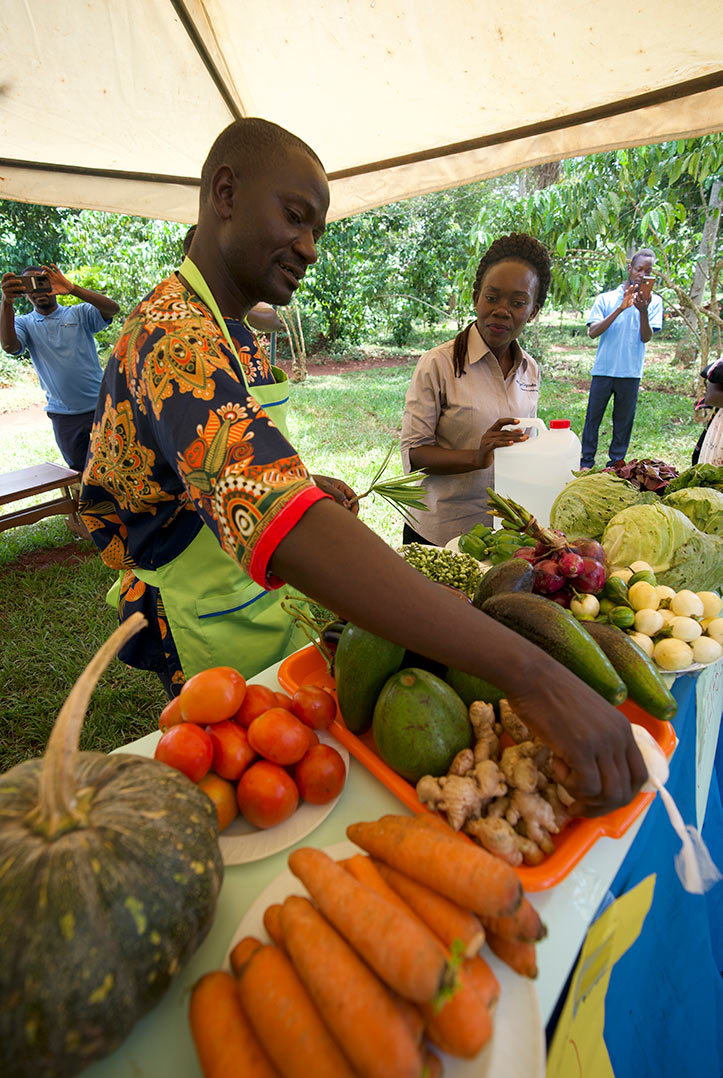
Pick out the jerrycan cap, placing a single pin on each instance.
(559, 424)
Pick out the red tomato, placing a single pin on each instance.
(257, 700)
(170, 716)
(212, 695)
(320, 774)
(314, 706)
(313, 736)
(188, 748)
(278, 736)
(223, 795)
(232, 753)
(266, 794)
(282, 700)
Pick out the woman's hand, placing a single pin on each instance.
(495, 437)
(339, 491)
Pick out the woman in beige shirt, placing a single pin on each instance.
(464, 391)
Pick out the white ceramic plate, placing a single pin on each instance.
(692, 669)
(517, 1047)
(242, 843)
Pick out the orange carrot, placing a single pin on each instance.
(445, 918)
(483, 980)
(524, 925)
(286, 1021)
(432, 1065)
(519, 956)
(363, 869)
(225, 1042)
(411, 1014)
(272, 924)
(399, 949)
(242, 952)
(462, 871)
(463, 1025)
(353, 1002)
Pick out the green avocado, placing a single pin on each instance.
(514, 574)
(420, 724)
(472, 688)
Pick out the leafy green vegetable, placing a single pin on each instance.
(702, 505)
(679, 554)
(700, 475)
(583, 508)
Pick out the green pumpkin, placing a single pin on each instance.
(109, 874)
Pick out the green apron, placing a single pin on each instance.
(217, 614)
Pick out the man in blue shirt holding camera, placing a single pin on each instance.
(624, 320)
(62, 350)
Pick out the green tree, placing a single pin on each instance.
(31, 235)
(603, 207)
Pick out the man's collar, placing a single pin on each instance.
(39, 314)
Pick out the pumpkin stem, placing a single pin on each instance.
(57, 786)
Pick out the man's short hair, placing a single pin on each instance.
(247, 144)
(32, 269)
(644, 252)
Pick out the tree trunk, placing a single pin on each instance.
(545, 175)
(707, 243)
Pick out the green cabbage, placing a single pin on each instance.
(679, 554)
(702, 505)
(582, 508)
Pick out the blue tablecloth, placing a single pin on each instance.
(664, 1001)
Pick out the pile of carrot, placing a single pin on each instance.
(380, 962)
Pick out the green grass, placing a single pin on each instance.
(52, 619)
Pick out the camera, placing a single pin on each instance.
(36, 282)
(645, 287)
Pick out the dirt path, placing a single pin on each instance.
(26, 419)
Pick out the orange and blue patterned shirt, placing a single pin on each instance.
(178, 442)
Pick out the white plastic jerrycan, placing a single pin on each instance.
(534, 472)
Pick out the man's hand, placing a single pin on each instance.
(629, 297)
(12, 287)
(598, 762)
(495, 438)
(60, 284)
(640, 300)
(339, 491)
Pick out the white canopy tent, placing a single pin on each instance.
(113, 104)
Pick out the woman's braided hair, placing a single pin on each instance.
(524, 248)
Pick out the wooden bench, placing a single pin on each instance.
(41, 478)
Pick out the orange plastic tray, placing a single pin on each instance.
(307, 666)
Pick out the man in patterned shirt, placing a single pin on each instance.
(194, 491)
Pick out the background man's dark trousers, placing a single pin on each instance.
(625, 394)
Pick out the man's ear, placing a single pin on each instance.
(535, 312)
(223, 191)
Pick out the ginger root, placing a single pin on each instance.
(517, 764)
(457, 796)
(507, 799)
(512, 723)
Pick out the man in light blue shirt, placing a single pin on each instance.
(624, 320)
(62, 350)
